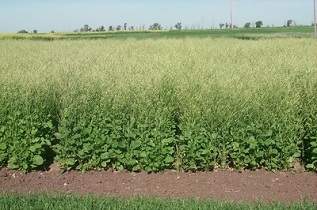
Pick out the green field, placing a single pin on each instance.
(244, 34)
(189, 103)
(14, 202)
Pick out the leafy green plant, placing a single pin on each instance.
(130, 133)
(188, 104)
(28, 122)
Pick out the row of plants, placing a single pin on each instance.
(162, 127)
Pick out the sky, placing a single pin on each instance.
(68, 15)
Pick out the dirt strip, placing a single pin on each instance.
(223, 185)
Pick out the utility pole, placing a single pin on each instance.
(315, 19)
(231, 14)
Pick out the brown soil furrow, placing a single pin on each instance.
(223, 185)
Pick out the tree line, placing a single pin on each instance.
(158, 26)
(177, 26)
(125, 27)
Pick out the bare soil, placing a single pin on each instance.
(247, 186)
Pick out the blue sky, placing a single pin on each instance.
(67, 15)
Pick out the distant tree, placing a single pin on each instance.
(227, 25)
(100, 29)
(23, 32)
(131, 28)
(119, 27)
(156, 27)
(125, 26)
(258, 24)
(52, 32)
(290, 23)
(221, 25)
(247, 25)
(110, 28)
(86, 28)
(34, 31)
(178, 26)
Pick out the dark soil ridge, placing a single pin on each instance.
(245, 186)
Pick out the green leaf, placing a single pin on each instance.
(310, 166)
(143, 154)
(297, 155)
(136, 144)
(235, 145)
(167, 141)
(3, 146)
(204, 152)
(76, 136)
(34, 131)
(38, 160)
(314, 151)
(70, 162)
(136, 168)
(169, 159)
(104, 156)
(2, 129)
(104, 164)
(49, 125)
(120, 167)
(58, 136)
(268, 133)
(12, 164)
(35, 147)
(87, 131)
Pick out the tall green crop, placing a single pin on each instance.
(187, 104)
